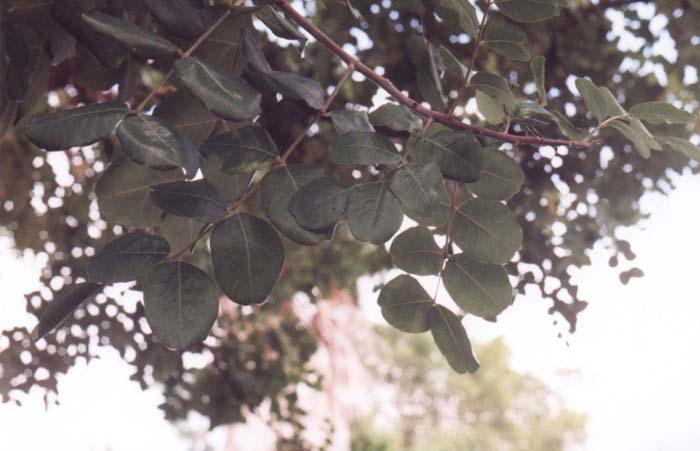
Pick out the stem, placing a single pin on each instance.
(300, 137)
(185, 54)
(605, 123)
(455, 185)
(436, 116)
(279, 163)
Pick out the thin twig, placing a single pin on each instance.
(455, 185)
(185, 54)
(402, 98)
(346, 75)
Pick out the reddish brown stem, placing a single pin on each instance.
(437, 116)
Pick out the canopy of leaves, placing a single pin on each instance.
(228, 99)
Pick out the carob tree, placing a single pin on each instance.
(183, 102)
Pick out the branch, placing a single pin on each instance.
(388, 86)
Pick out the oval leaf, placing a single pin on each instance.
(297, 87)
(398, 118)
(661, 113)
(320, 204)
(197, 200)
(178, 17)
(66, 300)
(123, 193)
(529, 11)
(406, 305)
(374, 214)
(151, 142)
(241, 150)
(179, 232)
(452, 341)
(363, 148)
(420, 189)
(495, 86)
(277, 190)
(458, 154)
(227, 96)
(144, 42)
(248, 257)
(127, 258)
(415, 251)
(486, 231)
(501, 177)
(477, 288)
(181, 303)
(345, 121)
(596, 101)
(77, 127)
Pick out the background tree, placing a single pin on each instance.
(498, 408)
(573, 195)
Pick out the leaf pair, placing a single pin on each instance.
(408, 307)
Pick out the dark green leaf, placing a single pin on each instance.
(77, 127)
(181, 303)
(415, 251)
(681, 145)
(297, 87)
(374, 214)
(221, 48)
(241, 150)
(153, 143)
(254, 54)
(123, 193)
(364, 148)
(458, 154)
(529, 11)
(227, 96)
(428, 79)
(277, 190)
(178, 17)
(345, 121)
(230, 186)
(480, 289)
(495, 86)
(280, 26)
(179, 232)
(538, 69)
(197, 200)
(486, 231)
(635, 136)
(405, 304)
(420, 189)
(248, 257)
(506, 39)
(181, 110)
(321, 203)
(452, 341)
(493, 110)
(501, 176)
(127, 258)
(66, 300)
(661, 113)
(466, 13)
(453, 67)
(613, 107)
(593, 97)
(144, 42)
(398, 118)
(69, 15)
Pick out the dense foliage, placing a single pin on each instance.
(206, 160)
